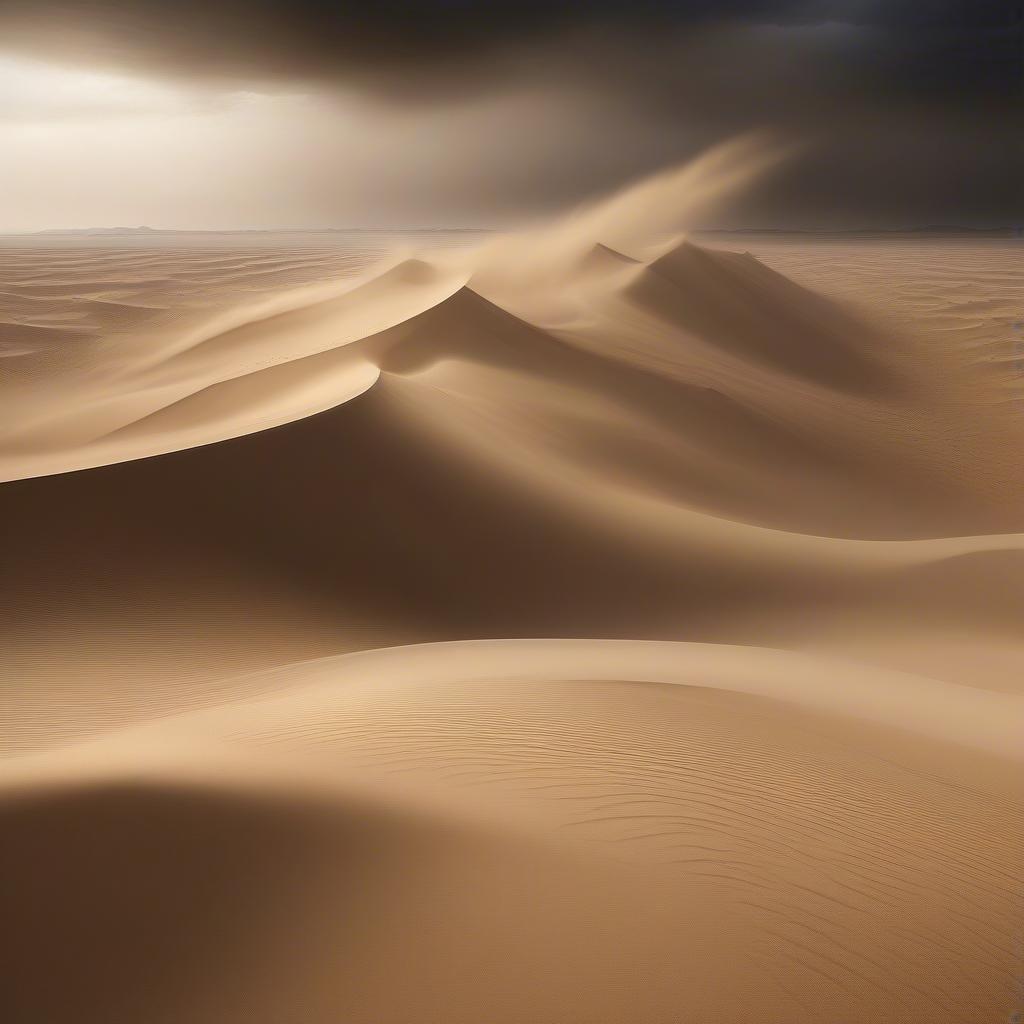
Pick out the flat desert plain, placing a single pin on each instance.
(517, 632)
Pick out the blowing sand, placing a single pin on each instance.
(629, 634)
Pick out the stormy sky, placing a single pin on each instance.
(231, 114)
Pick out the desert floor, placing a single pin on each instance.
(486, 635)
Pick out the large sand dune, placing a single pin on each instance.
(562, 630)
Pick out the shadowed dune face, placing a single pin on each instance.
(210, 906)
(157, 901)
(755, 313)
(219, 905)
(297, 537)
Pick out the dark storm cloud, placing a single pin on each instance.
(917, 45)
(909, 105)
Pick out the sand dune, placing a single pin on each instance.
(555, 830)
(567, 629)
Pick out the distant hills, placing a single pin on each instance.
(145, 230)
(141, 230)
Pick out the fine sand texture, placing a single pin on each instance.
(591, 626)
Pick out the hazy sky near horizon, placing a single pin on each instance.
(254, 113)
